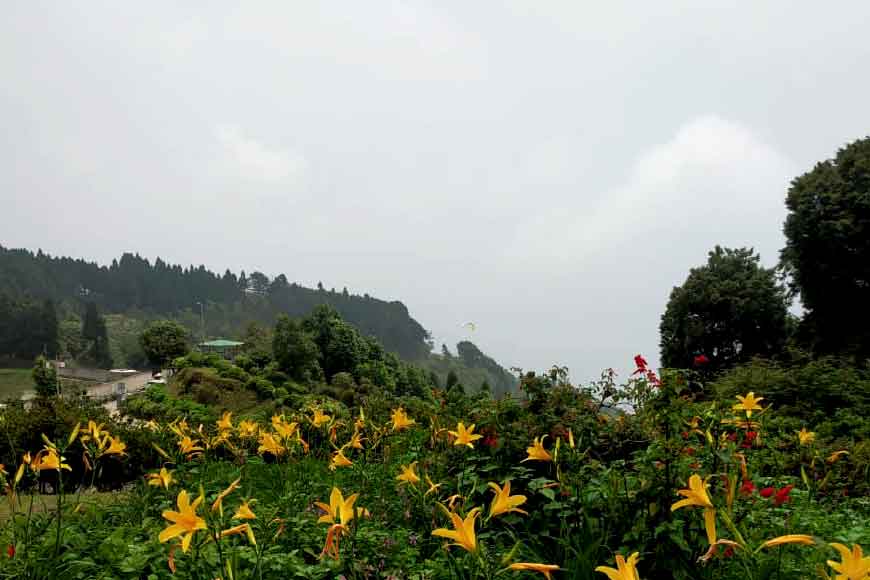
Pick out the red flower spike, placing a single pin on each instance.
(10, 550)
(748, 487)
(767, 492)
(701, 360)
(640, 363)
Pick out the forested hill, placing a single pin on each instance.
(134, 284)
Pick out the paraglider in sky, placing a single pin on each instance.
(470, 325)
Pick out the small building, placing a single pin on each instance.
(228, 349)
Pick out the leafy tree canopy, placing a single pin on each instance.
(726, 312)
(44, 377)
(828, 250)
(295, 351)
(163, 341)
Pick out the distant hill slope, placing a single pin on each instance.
(132, 291)
(132, 283)
(472, 369)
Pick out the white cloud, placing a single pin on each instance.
(714, 181)
(252, 160)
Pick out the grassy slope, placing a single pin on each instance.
(13, 382)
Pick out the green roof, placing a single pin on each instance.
(221, 343)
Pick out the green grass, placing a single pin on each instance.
(14, 382)
(41, 503)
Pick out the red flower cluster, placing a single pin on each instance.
(779, 496)
(643, 369)
(701, 360)
(748, 439)
(748, 487)
(490, 440)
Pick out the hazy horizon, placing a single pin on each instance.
(547, 172)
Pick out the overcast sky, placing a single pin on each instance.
(547, 170)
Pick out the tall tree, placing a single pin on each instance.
(90, 322)
(295, 350)
(728, 310)
(44, 377)
(96, 337)
(827, 250)
(164, 341)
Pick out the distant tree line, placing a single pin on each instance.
(132, 283)
(28, 327)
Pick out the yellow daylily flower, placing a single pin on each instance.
(49, 459)
(570, 438)
(625, 570)
(189, 446)
(218, 503)
(451, 501)
(184, 522)
(180, 428)
(320, 418)
(360, 422)
(116, 446)
(748, 404)
(241, 529)
(536, 451)
(355, 441)
(248, 429)
(152, 425)
(268, 444)
(545, 569)
(339, 509)
(789, 539)
(853, 565)
(504, 502)
(244, 512)
(465, 436)
(401, 420)
(225, 423)
(695, 494)
(163, 478)
(409, 474)
(339, 460)
(433, 487)
(805, 437)
(93, 432)
(462, 534)
(284, 429)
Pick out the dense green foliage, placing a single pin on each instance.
(828, 250)
(727, 311)
(44, 377)
(606, 485)
(825, 391)
(28, 327)
(95, 338)
(358, 367)
(164, 341)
